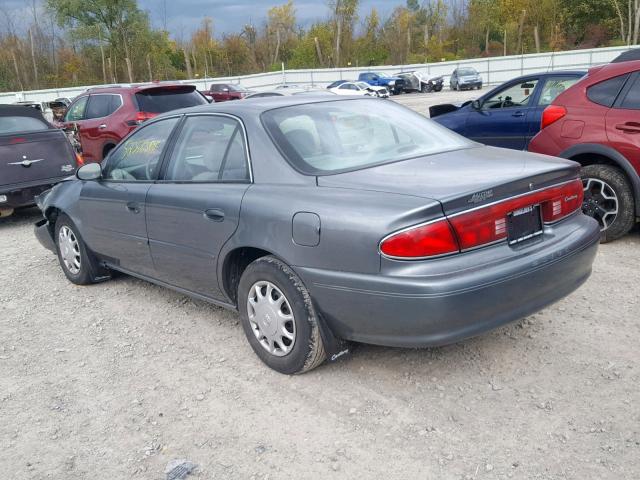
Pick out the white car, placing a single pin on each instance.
(359, 88)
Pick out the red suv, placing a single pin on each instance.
(103, 116)
(596, 122)
(222, 92)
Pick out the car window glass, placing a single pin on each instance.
(160, 100)
(553, 87)
(21, 124)
(605, 93)
(101, 106)
(209, 149)
(137, 158)
(517, 95)
(76, 112)
(632, 99)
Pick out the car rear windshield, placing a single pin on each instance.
(329, 137)
(20, 124)
(467, 71)
(160, 100)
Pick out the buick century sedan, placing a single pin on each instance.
(326, 221)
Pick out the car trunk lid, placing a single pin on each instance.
(34, 156)
(460, 179)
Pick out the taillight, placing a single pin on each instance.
(141, 117)
(79, 160)
(481, 226)
(552, 114)
(427, 240)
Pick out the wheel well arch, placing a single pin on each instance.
(591, 154)
(234, 265)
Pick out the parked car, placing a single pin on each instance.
(421, 82)
(223, 92)
(345, 87)
(597, 123)
(33, 157)
(328, 219)
(465, 78)
(285, 92)
(101, 117)
(395, 85)
(509, 115)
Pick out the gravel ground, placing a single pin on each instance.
(116, 380)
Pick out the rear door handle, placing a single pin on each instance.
(102, 126)
(629, 127)
(518, 114)
(214, 214)
(133, 207)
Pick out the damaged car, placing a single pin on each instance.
(421, 82)
(317, 233)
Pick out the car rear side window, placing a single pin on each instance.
(21, 124)
(160, 100)
(632, 98)
(605, 93)
(138, 157)
(102, 105)
(210, 148)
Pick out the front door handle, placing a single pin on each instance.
(629, 127)
(518, 114)
(214, 214)
(102, 126)
(133, 207)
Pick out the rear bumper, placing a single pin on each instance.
(427, 308)
(23, 194)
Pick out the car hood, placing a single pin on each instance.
(460, 179)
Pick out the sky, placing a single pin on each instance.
(184, 16)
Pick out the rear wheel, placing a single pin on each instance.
(608, 198)
(78, 264)
(279, 318)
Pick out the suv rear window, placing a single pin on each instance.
(605, 93)
(160, 100)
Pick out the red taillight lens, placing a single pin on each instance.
(141, 117)
(429, 240)
(552, 114)
(489, 224)
(79, 160)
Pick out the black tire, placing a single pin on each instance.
(89, 271)
(308, 349)
(616, 179)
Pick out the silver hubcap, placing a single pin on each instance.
(271, 318)
(69, 249)
(600, 202)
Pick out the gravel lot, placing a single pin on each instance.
(115, 380)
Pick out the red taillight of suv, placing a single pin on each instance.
(141, 117)
(552, 114)
(482, 226)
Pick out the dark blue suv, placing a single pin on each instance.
(509, 115)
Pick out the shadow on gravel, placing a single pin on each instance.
(21, 217)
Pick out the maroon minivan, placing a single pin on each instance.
(102, 116)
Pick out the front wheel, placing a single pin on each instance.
(278, 317)
(608, 199)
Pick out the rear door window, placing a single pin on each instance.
(160, 100)
(605, 93)
(632, 98)
(76, 111)
(102, 105)
(553, 87)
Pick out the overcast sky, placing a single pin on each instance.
(184, 16)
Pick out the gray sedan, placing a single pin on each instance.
(324, 221)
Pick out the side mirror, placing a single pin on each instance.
(90, 171)
(476, 105)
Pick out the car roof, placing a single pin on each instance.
(136, 88)
(21, 111)
(628, 56)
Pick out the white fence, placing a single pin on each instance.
(494, 70)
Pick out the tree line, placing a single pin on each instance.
(74, 42)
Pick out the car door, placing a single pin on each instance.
(195, 207)
(112, 210)
(501, 120)
(95, 128)
(550, 88)
(623, 122)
